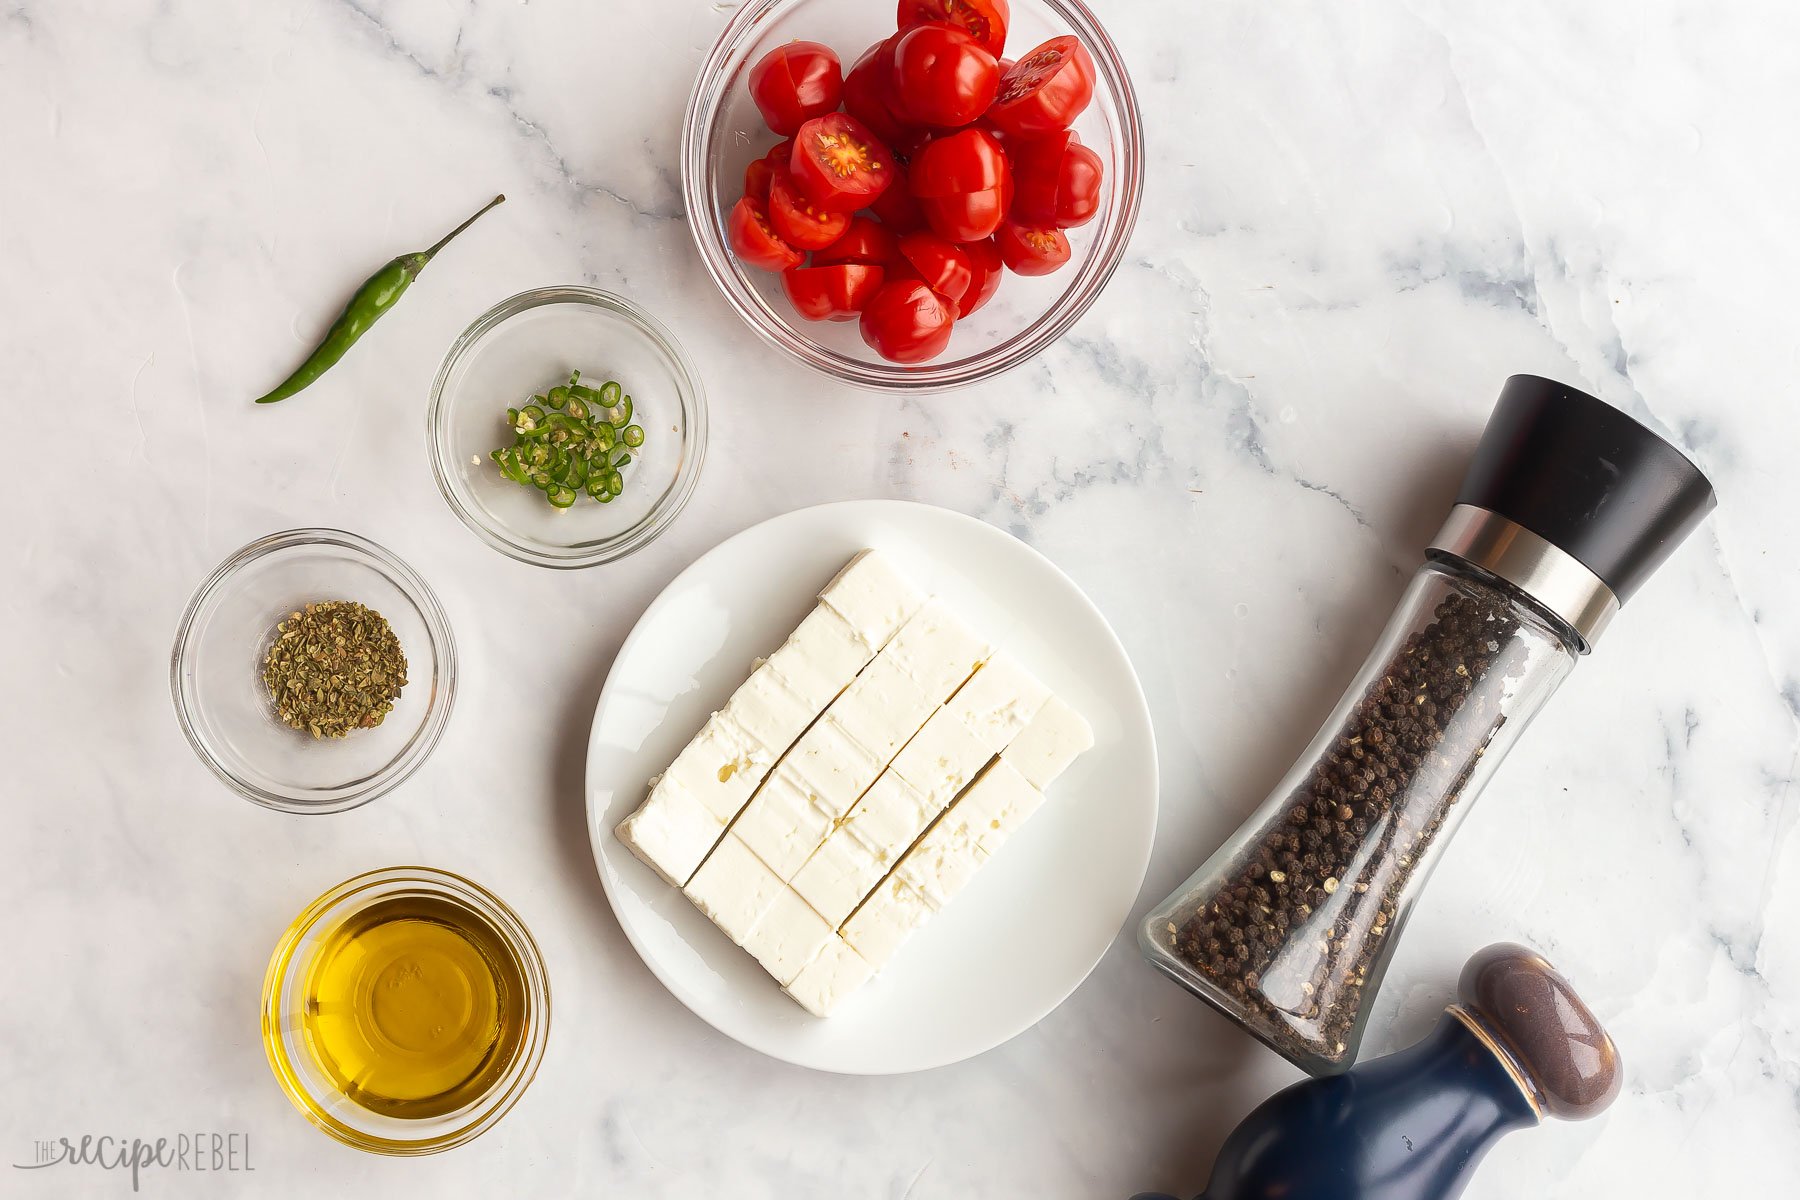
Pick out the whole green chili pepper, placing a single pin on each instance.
(380, 292)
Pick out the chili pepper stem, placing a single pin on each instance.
(445, 240)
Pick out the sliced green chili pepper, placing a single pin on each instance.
(572, 439)
(380, 292)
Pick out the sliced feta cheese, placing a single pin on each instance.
(770, 711)
(671, 831)
(734, 888)
(820, 658)
(937, 651)
(944, 860)
(872, 596)
(942, 758)
(1054, 739)
(830, 978)
(833, 767)
(782, 824)
(885, 920)
(837, 877)
(996, 805)
(882, 709)
(787, 937)
(721, 766)
(998, 701)
(889, 818)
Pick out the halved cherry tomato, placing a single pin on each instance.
(755, 240)
(866, 94)
(968, 216)
(986, 265)
(984, 20)
(794, 83)
(942, 76)
(1046, 89)
(864, 242)
(942, 265)
(1058, 180)
(897, 208)
(797, 220)
(756, 179)
(907, 322)
(1029, 251)
(839, 163)
(969, 160)
(832, 293)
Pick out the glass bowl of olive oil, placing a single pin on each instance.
(405, 1011)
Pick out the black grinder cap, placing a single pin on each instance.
(1588, 479)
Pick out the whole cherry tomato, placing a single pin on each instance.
(897, 208)
(1058, 180)
(837, 292)
(984, 20)
(985, 264)
(866, 95)
(907, 322)
(942, 76)
(794, 83)
(1046, 89)
(755, 240)
(839, 164)
(1029, 251)
(969, 160)
(944, 266)
(864, 242)
(797, 220)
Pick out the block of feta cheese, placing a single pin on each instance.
(998, 701)
(820, 658)
(872, 596)
(671, 832)
(1056, 737)
(734, 888)
(881, 709)
(721, 766)
(889, 818)
(830, 978)
(886, 919)
(787, 936)
(834, 769)
(782, 824)
(996, 805)
(937, 651)
(837, 877)
(943, 861)
(941, 759)
(770, 711)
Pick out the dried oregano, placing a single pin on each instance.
(334, 667)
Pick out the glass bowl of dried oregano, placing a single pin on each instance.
(313, 671)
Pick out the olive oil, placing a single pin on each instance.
(414, 1007)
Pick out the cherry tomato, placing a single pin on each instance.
(839, 163)
(831, 293)
(756, 179)
(968, 216)
(864, 242)
(1058, 180)
(797, 220)
(907, 322)
(984, 20)
(1029, 251)
(944, 266)
(794, 83)
(866, 92)
(942, 76)
(1046, 89)
(897, 208)
(755, 240)
(985, 264)
(969, 160)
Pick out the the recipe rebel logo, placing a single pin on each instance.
(193, 1153)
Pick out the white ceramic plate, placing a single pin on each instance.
(1033, 922)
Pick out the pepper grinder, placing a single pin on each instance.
(1518, 1046)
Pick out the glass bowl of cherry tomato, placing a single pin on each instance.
(912, 200)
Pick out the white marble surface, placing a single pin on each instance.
(1360, 218)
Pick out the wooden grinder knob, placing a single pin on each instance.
(1566, 1061)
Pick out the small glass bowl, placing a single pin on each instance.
(525, 346)
(723, 132)
(225, 710)
(311, 1089)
